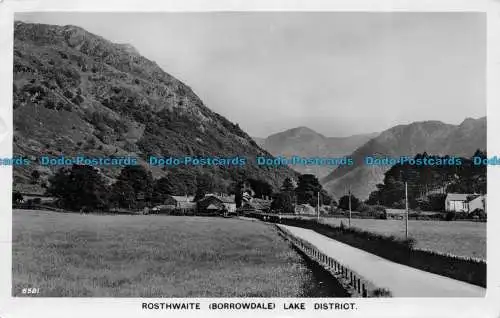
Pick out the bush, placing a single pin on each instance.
(50, 104)
(67, 107)
(450, 216)
(78, 99)
(478, 214)
(381, 292)
(68, 94)
(375, 211)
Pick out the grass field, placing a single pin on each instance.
(152, 256)
(461, 238)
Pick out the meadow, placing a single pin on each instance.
(461, 238)
(66, 254)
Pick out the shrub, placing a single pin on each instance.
(78, 99)
(381, 292)
(68, 94)
(67, 107)
(50, 104)
(450, 216)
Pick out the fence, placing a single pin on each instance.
(356, 285)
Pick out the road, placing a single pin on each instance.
(401, 280)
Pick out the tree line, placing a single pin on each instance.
(428, 185)
(83, 187)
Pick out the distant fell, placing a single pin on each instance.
(433, 137)
(305, 142)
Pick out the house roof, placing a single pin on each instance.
(182, 198)
(457, 196)
(213, 207)
(163, 206)
(305, 208)
(29, 189)
(260, 204)
(395, 211)
(478, 197)
(187, 205)
(223, 199)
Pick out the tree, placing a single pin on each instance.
(79, 187)
(307, 189)
(261, 188)
(238, 193)
(162, 188)
(344, 202)
(283, 203)
(288, 185)
(17, 197)
(122, 195)
(35, 176)
(139, 179)
(204, 185)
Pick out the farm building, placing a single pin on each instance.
(162, 209)
(457, 202)
(216, 204)
(305, 209)
(398, 214)
(179, 203)
(256, 205)
(33, 193)
(461, 202)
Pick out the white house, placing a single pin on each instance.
(463, 202)
(457, 202)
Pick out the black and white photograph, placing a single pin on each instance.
(252, 154)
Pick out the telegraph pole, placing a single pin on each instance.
(350, 206)
(318, 205)
(407, 212)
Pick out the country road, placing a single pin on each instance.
(401, 280)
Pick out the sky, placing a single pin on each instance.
(338, 73)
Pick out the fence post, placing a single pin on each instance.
(350, 273)
(364, 291)
(354, 282)
(359, 287)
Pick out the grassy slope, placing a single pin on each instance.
(151, 256)
(127, 106)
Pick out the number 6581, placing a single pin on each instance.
(30, 291)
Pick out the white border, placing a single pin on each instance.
(131, 307)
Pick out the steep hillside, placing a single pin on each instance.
(259, 141)
(433, 137)
(78, 93)
(305, 142)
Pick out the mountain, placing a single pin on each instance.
(259, 141)
(76, 93)
(433, 137)
(305, 142)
